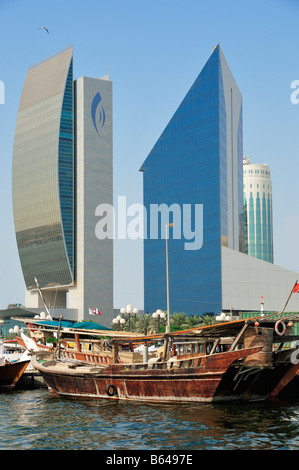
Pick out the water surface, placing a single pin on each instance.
(35, 420)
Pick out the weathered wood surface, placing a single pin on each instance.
(11, 373)
(195, 379)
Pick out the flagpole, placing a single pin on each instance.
(288, 298)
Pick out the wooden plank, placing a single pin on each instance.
(215, 345)
(238, 337)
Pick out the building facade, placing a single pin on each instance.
(197, 161)
(258, 218)
(193, 177)
(62, 169)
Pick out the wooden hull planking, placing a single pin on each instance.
(194, 382)
(11, 373)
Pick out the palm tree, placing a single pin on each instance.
(178, 320)
(144, 323)
(193, 321)
(208, 319)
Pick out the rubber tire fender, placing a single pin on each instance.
(111, 390)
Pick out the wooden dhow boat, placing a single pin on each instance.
(13, 363)
(240, 361)
(10, 374)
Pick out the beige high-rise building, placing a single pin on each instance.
(258, 218)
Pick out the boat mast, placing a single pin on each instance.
(42, 297)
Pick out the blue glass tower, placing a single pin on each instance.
(197, 161)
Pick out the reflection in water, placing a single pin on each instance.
(36, 420)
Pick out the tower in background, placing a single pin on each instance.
(258, 227)
(62, 170)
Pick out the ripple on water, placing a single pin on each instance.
(36, 420)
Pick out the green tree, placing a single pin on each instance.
(178, 320)
(208, 319)
(192, 321)
(144, 324)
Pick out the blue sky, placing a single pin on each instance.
(154, 50)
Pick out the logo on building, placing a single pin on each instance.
(2, 92)
(98, 113)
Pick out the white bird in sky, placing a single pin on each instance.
(42, 27)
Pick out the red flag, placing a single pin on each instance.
(296, 288)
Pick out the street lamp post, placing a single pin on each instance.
(158, 314)
(119, 320)
(129, 310)
(167, 278)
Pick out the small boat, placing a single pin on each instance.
(239, 361)
(10, 374)
(14, 360)
(11, 350)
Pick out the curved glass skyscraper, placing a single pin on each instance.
(62, 170)
(43, 173)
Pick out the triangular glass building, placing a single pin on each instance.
(196, 164)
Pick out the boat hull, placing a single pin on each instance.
(218, 378)
(194, 381)
(190, 387)
(11, 373)
(243, 384)
(138, 388)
